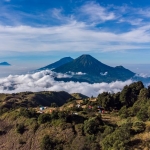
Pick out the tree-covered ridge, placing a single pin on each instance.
(112, 121)
(34, 99)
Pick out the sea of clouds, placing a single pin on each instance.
(44, 81)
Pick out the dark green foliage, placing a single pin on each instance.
(75, 119)
(21, 142)
(28, 113)
(116, 101)
(108, 130)
(47, 98)
(58, 115)
(105, 100)
(54, 115)
(3, 110)
(62, 115)
(85, 101)
(91, 138)
(138, 127)
(142, 114)
(30, 99)
(118, 139)
(123, 112)
(35, 127)
(109, 101)
(144, 94)
(130, 93)
(148, 112)
(2, 132)
(20, 128)
(47, 143)
(43, 118)
(91, 126)
(53, 105)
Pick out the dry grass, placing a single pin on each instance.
(92, 100)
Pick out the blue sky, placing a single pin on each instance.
(38, 32)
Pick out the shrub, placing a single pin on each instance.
(46, 143)
(2, 132)
(43, 118)
(28, 113)
(21, 142)
(123, 112)
(54, 115)
(142, 114)
(139, 127)
(53, 105)
(3, 110)
(35, 127)
(20, 128)
(118, 139)
(108, 130)
(91, 126)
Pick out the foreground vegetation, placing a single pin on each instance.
(118, 121)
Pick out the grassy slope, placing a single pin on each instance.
(30, 99)
(69, 133)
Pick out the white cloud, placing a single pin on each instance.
(103, 74)
(143, 75)
(75, 36)
(145, 12)
(44, 81)
(96, 13)
(75, 73)
(75, 31)
(131, 21)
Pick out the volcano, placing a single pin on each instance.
(89, 69)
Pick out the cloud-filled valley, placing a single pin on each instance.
(44, 81)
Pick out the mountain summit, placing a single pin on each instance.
(86, 64)
(92, 70)
(4, 64)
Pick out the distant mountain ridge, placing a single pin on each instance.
(95, 70)
(4, 64)
(57, 63)
(88, 69)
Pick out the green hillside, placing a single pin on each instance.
(112, 121)
(79, 96)
(34, 99)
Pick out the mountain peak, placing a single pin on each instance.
(68, 58)
(86, 56)
(94, 70)
(86, 64)
(4, 64)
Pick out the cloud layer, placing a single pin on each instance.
(44, 81)
(88, 27)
